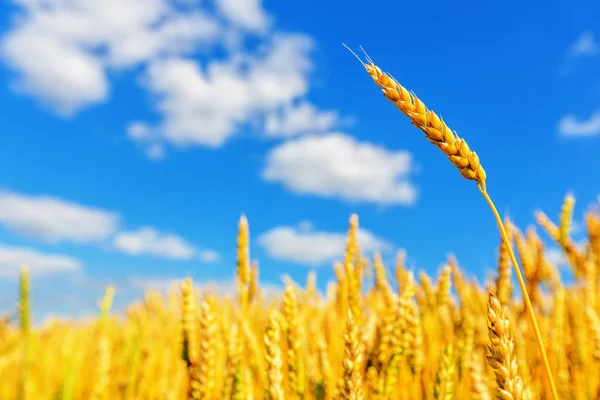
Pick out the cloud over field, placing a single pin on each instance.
(64, 51)
(303, 244)
(571, 126)
(205, 105)
(53, 219)
(221, 287)
(585, 45)
(339, 166)
(64, 54)
(149, 241)
(12, 258)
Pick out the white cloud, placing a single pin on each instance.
(584, 45)
(556, 256)
(292, 120)
(576, 227)
(149, 241)
(51, 219)
(143, 133)
(594, 207)
(12, 258)
(222, 287)
(305, 226)
(63, 53)
(571, 126)
(209, 256)
(304, 245)
(63, 50)
(336, 165)
(160, 284)
(247, 14)
(205, 106)
(59, 74)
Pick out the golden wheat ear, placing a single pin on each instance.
(435, 129)
(502, 359)
(462, 157)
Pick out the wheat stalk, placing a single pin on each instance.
(462, 157)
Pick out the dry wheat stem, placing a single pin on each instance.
(536, 328)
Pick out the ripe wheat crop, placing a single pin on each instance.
(378, 331)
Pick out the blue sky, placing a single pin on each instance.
(136, 132)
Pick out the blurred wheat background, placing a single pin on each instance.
(379, 332)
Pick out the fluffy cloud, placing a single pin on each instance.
(336, 165)
(63, 53)
(59, 74)
(247, 14)
(569, 125)
(12, 258)
(209, 255)
(585, 45)
(205, 106)
(223, 287)
(556, 256)
(302, 118)
(154, 283)
(51, 219)
(63, 50)
(594, 207)
(54, 220)
(304, 245)
(149, 241)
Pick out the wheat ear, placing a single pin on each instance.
(443, 388)
(467, 161)
(272, 337)
(102, 368)
(352, 388)
(190, 336)
(25, 325)
(294, 352)
(502, 359)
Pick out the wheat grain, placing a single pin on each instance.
(502, 358)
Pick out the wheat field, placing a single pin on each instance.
(378, 332)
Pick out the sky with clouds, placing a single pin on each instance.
(134, 133)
